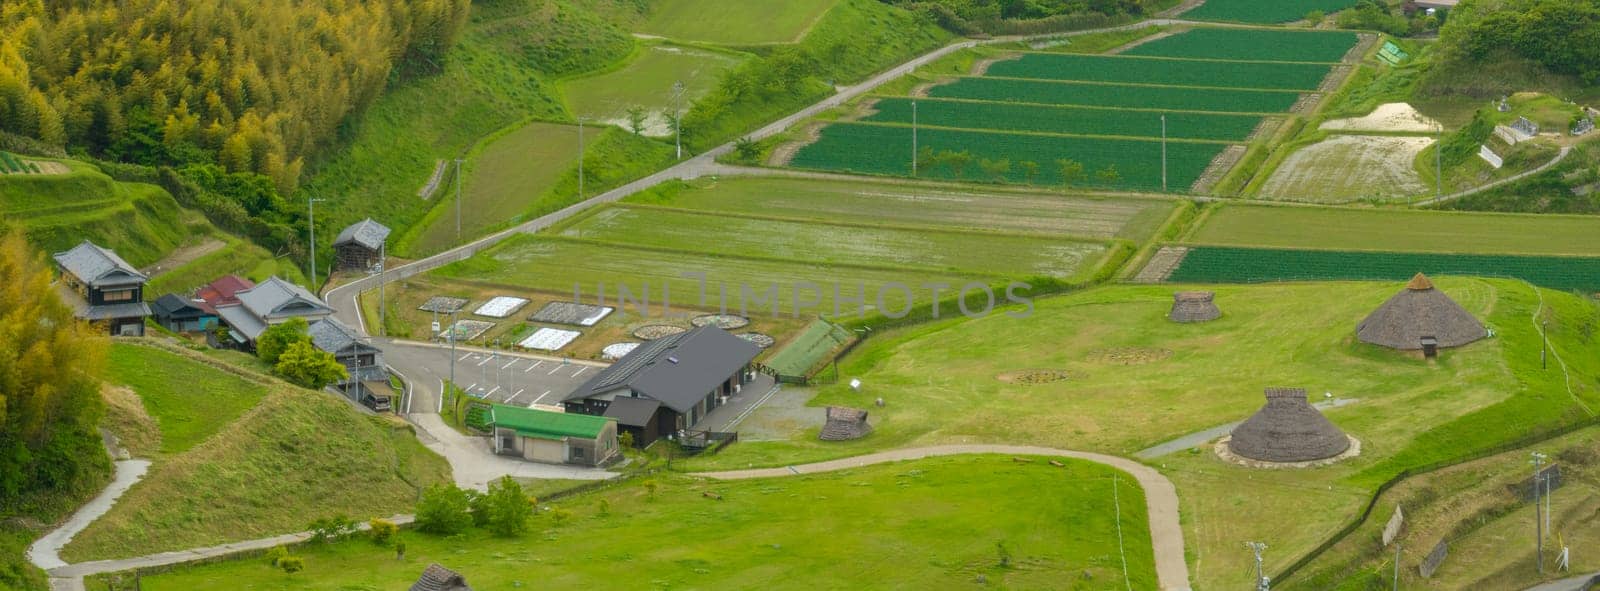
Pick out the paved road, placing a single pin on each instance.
(1161, 498)
(1578, 583)
(46, 551)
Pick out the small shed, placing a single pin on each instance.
(844, 424)
(360, 246)
(640, 417)
(1194, 306)
(553, 437)
(180, 314)
(1288, 429)
(438, 578)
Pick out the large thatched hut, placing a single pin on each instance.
(844, 424)
(1194, 306)
(1420, 317)
(1288, 429)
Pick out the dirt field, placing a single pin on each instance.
(1387, 117)
(1348, 168)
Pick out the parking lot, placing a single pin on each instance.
(494, 376)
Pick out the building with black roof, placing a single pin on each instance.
(368, 381)
(668, 385)
(360, 246)
(180, 314)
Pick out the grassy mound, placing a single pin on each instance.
(189, 401)
(852, 529)
(294, 457)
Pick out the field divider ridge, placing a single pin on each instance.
(970, 231)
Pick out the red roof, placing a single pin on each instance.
(220, 292)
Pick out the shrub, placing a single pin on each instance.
(444, 510)
(292, 564)
(508, 508)
(383, 531)
(277, 554)
(331, 529)
(560, 516)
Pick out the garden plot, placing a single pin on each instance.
(444, 305)
(1162, 71)
(652, 332)
(1274, 45)
(549, 339)
(1374, 229)
(1350, 167)
(722, 321)
(1219, 264)
(646, 84)
(571, 313)
(1118, 96)
(616, 351)
(1263, 11)
(500, 307)
(1391, 117)
(760, 340)
(465, 330)
(1065, 119)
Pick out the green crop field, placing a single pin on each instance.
(966, 253)
(1263, 11)
(1162, 71)
(1402, 231)
(1117, 95)
(1069, 120)
(809, 348)
(1252, 44)
(141, 222)
(1098, 218)
(949, 512)
(646, 83)
(1256, 265)
(562, 266)
(881, 149)
(746, 22)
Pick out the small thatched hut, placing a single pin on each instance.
(1287, 429)
(1194, 306)
(1420, 312)
(438, 578)
(845, 424)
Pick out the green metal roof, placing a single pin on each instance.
(545, 424)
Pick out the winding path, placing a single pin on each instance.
(1562, 155)
(45, 552)
(1160, 497)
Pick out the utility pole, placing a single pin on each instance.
(1438, 166)
(580, 158)
(1396, 586)
(383, 311)
(1262, 582)
(452, 334)
(1538, 520)
(1163, 152)
(458, 200)
(1544, 344)
(913, 138)
(677, 116)
(311, 225)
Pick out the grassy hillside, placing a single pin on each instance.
(292, 457)
(853, 529)
(747, 22)
(501, 72)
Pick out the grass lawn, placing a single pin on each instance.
(747, 22)
(926, 524)
(294, 457)
(1398, 231)
(189, 400)
(899, 204)
(646, 83)
(1096, 42)
(941, 385)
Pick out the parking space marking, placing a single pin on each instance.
(491, 392)
(541, 397)
(535, 365)
(464, 357)
(580, 370)
(514, 396)
(553, 370)
(474, 385)
(486, 359)
(508, 365)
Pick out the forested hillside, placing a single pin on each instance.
(1493, 47)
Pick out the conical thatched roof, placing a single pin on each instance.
(1194, 306)
(1288, 429)
(845, 424)
(1418, 311)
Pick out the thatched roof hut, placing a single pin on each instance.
(1420, 311)
(438, 578)
(1288, 429)
(845, 424)
(1194, 306)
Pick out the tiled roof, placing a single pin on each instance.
(438, 578)
(97, 266)
(269, 300)
(240, 319)
(366, 232)
(331, 335)
(221, 292)
(678, 370)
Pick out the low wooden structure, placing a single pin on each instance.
(844, 424)
(360, 247)
(1420, 317)
(1194, 306)
(1288, 429)
(438, 578)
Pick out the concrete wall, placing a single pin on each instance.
(543, 450)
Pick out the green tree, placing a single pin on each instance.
(1030, 170)
(306, 366)
(636, 119)
(49, 398)
(277, 338)
(292, 564)
(1108, 175)
(747, 149)
(1071, 172)
(383, 531)
(443, 510)
(996, 170)
(508, 508)
(958, 161)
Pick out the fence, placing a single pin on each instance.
(1372, 503)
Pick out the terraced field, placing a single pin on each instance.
(1005, 122)
(1218, 264)
(1263, 11)
(1424, 231)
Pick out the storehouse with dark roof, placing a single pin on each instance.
(675, 380)
(553, 437)
(1420, 317)
(103, 289)
(368, 381)
(360, 246)
(272, 302)
(181, 314)
(438, 578)
(1287, 429)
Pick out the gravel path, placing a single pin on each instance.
(1161, 498)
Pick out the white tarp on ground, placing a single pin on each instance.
(549, 339)
(1489, 156)
(615, 351)
(500, 307)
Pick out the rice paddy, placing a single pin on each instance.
(1423, 231)
(1162, 71)
(1263, 11)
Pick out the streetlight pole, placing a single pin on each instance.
(1538, 520)
(913, 138)
(458, 200)
(311, 226)
(580, 158)
(452, 334)
(383, 312)
(1438, 166)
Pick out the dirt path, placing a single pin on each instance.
(184, 256)
(1161, 498)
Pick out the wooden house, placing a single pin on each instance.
(360, 247)
(274, 301)
(103, 289)
(368, 381)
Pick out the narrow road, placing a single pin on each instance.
(1161, 498)
(1562, 155)
(46, 551)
